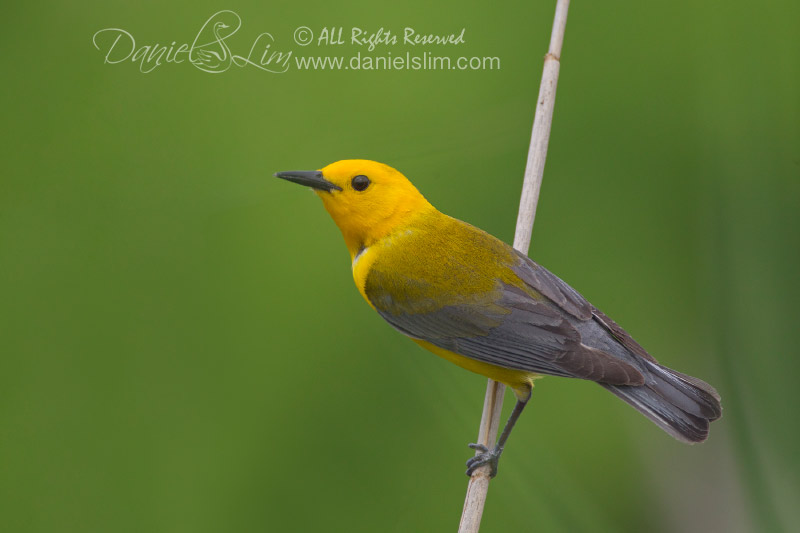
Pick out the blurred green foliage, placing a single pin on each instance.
(181, 346)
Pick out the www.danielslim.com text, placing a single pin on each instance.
(407, 61)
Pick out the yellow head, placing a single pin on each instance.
(367, 200)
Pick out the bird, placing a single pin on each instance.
(208, 59)
(475, 301)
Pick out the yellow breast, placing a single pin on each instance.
(384, 250)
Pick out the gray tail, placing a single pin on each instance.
(681, 405)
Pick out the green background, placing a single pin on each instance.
(181, 344)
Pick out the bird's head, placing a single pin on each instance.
(367, 200)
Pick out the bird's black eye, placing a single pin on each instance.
(360, 182)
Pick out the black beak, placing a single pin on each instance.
(309, 178)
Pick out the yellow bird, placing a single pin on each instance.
(472, 299)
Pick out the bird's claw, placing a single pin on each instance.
(478, 447)
(484, 457)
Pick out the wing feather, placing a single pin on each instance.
(523, 317)
(526, 335)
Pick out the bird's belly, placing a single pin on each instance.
(519, 380)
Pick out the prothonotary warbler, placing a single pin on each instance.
(475, 301)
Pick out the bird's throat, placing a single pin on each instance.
(362, 229)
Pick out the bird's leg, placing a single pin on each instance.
(491, 457)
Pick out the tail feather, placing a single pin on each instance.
(681, 405)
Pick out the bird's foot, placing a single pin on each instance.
(485, 457)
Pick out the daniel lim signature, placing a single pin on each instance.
(208, 52)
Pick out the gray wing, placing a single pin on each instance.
(512, 329)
